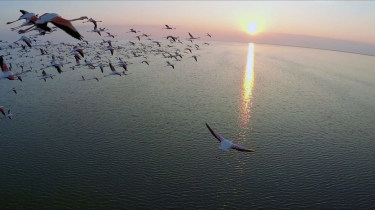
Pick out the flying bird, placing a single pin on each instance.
(158, 43)
(14, 90)
(169, 64)
(132, 30)
(25, 15)
(93, 21)
(89, 64)
(7, 74)
(79, 50)
(59, 22)
(113, 70)
(9, 115)
(42, 51)
(26, 40)
(195, 57)
(124, 64)
(108, 41)
(172, 37)
(2, 110)
(167, 27)
(95, 30)
(28, 16)
(111, 35)
(101, 67)
(45, 76)
(225, 145)
(110, 48)
(188, 49)
(192, 37)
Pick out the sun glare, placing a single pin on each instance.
(247, 88)
(252, 28)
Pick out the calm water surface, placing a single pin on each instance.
(140, 141)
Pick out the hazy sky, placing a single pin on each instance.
(227, 20)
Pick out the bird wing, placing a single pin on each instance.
(66, 26)
(44, 27)
(241, 148)
(23, 11)
(58, 69)
(112, 67)
(3, 65)
(191, 36)
(80, 51)
(28, 43)
(215, 134)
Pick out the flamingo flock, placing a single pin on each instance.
(95, 55)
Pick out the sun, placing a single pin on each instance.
(252, 28)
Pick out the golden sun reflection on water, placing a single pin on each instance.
(247, 88)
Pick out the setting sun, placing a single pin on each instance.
(252, 28)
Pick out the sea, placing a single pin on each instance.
(140, 141)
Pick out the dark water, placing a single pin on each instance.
(140, 142)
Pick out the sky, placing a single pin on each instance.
(319, 24)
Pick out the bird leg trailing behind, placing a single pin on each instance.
(42, 27)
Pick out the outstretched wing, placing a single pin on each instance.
(23, 12)
(28, 43)
(43, 27)
(3, 65)
(80, 51)
(214, 133)
(112, 67)
(241, 148)
(66, 26)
